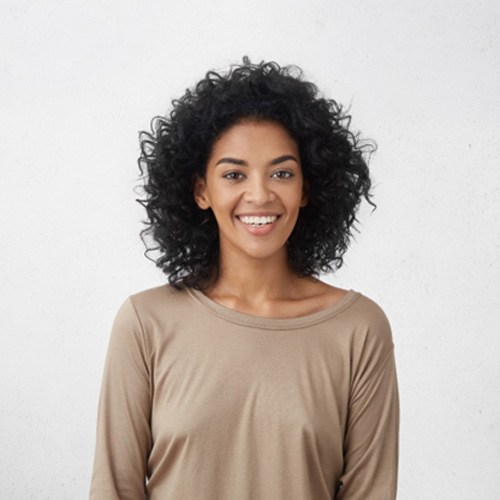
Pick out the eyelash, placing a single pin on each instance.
(287, 176)
(231, 176)
(236, 176)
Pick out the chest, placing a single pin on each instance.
(283, 387)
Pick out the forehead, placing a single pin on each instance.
(255, 138)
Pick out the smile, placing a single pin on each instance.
(255, 221)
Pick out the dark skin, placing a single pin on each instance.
(255, 188)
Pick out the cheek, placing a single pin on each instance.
(223, 205)
(295, 199)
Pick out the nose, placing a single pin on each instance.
(259, 191)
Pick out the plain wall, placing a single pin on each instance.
(80, 79)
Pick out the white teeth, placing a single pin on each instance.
(258, 221)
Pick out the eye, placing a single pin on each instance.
(282, 174)
(233, 176)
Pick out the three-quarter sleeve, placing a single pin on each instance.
(123, 437)
(371, 439)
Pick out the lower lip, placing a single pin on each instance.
(259, 230)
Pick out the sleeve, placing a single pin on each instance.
(372, 432)
(123, 438)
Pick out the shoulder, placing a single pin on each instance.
(359, 309)
(159, 298)
(158, 303)
(150, 301)
(148, 311)
(368, 311)
(156, 296)
(372, 329)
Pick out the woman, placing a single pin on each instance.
(246, 377)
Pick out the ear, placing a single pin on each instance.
(200, 193)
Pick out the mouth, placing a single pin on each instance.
(257, 221)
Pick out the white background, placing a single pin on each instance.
(80, 79)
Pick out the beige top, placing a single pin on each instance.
(202, 402)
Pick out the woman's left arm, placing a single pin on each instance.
(372, 432)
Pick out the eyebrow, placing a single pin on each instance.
(243, 163)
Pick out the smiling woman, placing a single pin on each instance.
(246, 377)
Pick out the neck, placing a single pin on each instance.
(254, 280)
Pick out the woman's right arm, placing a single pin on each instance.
(123, 438)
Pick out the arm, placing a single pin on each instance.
(123, 432)
(371, 439)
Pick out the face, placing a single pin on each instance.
(254, 186)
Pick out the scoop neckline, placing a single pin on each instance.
(273, 323)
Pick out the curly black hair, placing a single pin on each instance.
(176, 150)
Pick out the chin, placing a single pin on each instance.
(263, 254)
